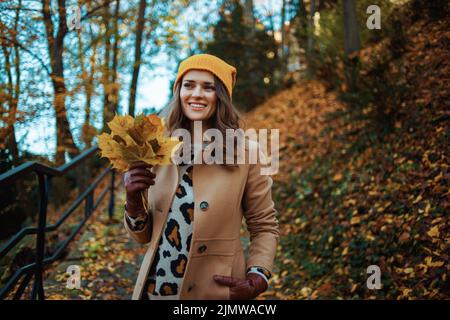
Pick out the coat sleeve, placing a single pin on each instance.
(260, 217)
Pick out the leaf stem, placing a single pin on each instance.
(144, 201)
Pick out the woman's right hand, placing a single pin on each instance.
(137, 179)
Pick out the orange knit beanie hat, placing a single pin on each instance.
(222, 70)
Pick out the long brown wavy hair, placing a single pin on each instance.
(226, 116)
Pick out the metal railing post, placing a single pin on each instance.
(38, 287)
(89, 205)
(111, 199)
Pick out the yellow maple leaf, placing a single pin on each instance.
(355, 220)
(433, 232)
(408, 270)
(406, 292)
(120, 124)
(429, 262)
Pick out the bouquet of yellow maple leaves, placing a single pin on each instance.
(137, 139)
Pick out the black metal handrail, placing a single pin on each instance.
(45, 174)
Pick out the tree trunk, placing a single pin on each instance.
(283, 30)
(249, 14)
(13, 142)
(351, 43)
(312, 10)
(13, 89)
(87, 75)
(115, 90)
(64, 138)
(137, 56)
(107, 115)
(351, 38)
(303, 16)
(310, 47)
(11, 97)
(301, 24)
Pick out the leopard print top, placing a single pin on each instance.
(167, 271)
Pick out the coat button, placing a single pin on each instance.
(202, 248)
(204, 205)
(191, 286)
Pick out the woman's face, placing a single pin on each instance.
(198, 95)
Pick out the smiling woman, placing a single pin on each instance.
(192, 225)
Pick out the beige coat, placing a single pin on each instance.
(231, 194)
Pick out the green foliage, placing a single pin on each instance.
(327, 56)
(372, 70)
(435, 9)
(252, 51)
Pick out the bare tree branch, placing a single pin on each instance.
(28, 51)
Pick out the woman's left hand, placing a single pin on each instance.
(243, 289)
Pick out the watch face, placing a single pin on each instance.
(137, 223)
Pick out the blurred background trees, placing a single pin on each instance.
(71, 65)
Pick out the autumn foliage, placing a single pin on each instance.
(364, 164)
(136, 139)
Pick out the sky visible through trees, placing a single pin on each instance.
(153, 89)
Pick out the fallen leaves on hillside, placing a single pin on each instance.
(349, 197)
(108, 259)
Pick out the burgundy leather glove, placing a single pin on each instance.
(137, 179)
(243, 289)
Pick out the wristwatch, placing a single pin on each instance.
(136, 223)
